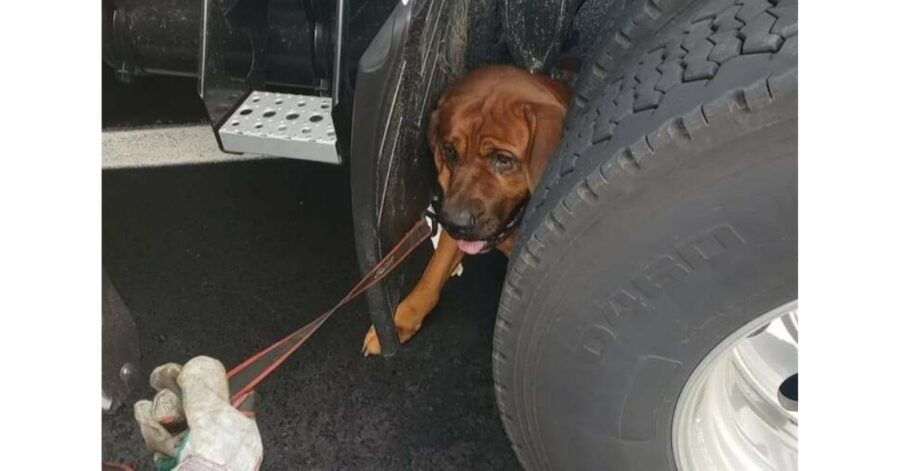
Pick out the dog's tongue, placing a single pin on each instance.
(471, 247)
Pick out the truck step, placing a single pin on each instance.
(282, 125)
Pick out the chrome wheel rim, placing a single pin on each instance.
(738, 409)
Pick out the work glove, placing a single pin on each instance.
(193, 399)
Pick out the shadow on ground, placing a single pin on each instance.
(222, 260)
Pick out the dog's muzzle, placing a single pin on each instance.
(511, 223)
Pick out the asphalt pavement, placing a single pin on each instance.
(222, 259)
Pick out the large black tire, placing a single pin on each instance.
(624, 24)
(667, 221)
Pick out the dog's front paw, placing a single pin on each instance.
(370, 343)
(407, 321)
(371, 346)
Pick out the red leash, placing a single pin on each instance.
(246, 376)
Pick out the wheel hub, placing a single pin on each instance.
(738, 410)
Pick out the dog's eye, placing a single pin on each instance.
(503, 162)
(450, 154)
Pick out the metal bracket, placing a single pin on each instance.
(232, 53)
(338, 46)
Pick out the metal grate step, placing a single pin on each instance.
(282, 125)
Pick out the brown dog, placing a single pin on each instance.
(492, 134)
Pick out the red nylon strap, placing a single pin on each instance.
(113, 466)
(244, 377)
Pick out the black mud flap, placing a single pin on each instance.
(417, 52)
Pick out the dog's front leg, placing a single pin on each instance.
(413, 309)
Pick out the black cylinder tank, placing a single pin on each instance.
(143, 37)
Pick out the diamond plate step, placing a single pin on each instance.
(282, 125)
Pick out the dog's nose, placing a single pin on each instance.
(459, 222)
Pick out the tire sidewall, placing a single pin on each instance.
(615, 318)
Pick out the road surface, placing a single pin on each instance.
(222, 259)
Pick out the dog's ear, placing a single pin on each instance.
(545, 121)
(545, 124)
(433, 133)
(434, 145)
(434, 123)
(559, 90)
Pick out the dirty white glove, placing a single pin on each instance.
(218, 437)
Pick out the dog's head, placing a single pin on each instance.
(492, 134)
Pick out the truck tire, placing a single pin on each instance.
(624, 24)
(665, 229)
